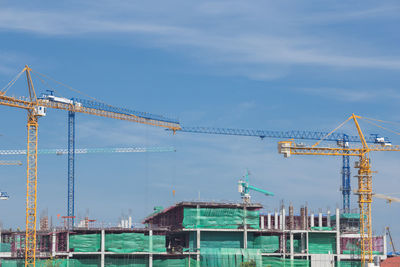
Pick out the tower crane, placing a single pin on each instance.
(364, 176)
(341, 139)
(244, 189)
(36, 108)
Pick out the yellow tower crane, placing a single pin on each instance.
(36, 108)
(364, 176)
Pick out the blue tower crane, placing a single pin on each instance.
(341, 138)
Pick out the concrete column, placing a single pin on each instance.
(303, 242)
(151, 248)
(103, 241)
(269, 221)
(280, 221)
(283, 219)
(338, 234)
(53, 244)
(245, 227)
(276, 220)
(67, 241)
(306, 217)
(312, 219)
(262, 221)
(307, 244)
(384, 244)
(291, 246)
(198, 247)
(319, 219)
(328, 218)
(245, 237)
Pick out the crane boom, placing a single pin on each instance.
(299, 135)
(388, 198)
(265, 192)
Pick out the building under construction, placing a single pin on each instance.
(204, 234)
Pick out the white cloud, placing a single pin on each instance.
(253, 44)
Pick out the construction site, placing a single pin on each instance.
(198, 233)
(203, 234)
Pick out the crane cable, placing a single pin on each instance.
(79, 92)
(334, 130)
(67, 86)
(377, 125)
(11, 83)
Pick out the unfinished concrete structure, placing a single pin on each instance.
(205, 234)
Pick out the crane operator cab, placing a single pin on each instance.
(40, 111)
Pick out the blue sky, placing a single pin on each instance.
(261, 65)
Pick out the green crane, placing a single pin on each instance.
(244, 189)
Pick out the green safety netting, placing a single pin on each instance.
(214, 257)
(174, 262)
(91, 262)
(5, 247)
(277, 262)
(321, 243)
(126, 262)
(322, 228)
(352, 247)
(53, 263)
(134, 242)
(12, 263)
(267, 244)
(348, 264)
(219, 218)
(221, 240)
(296, 245)
(85, 243)
(192, 241)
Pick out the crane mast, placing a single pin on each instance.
(31, 179)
